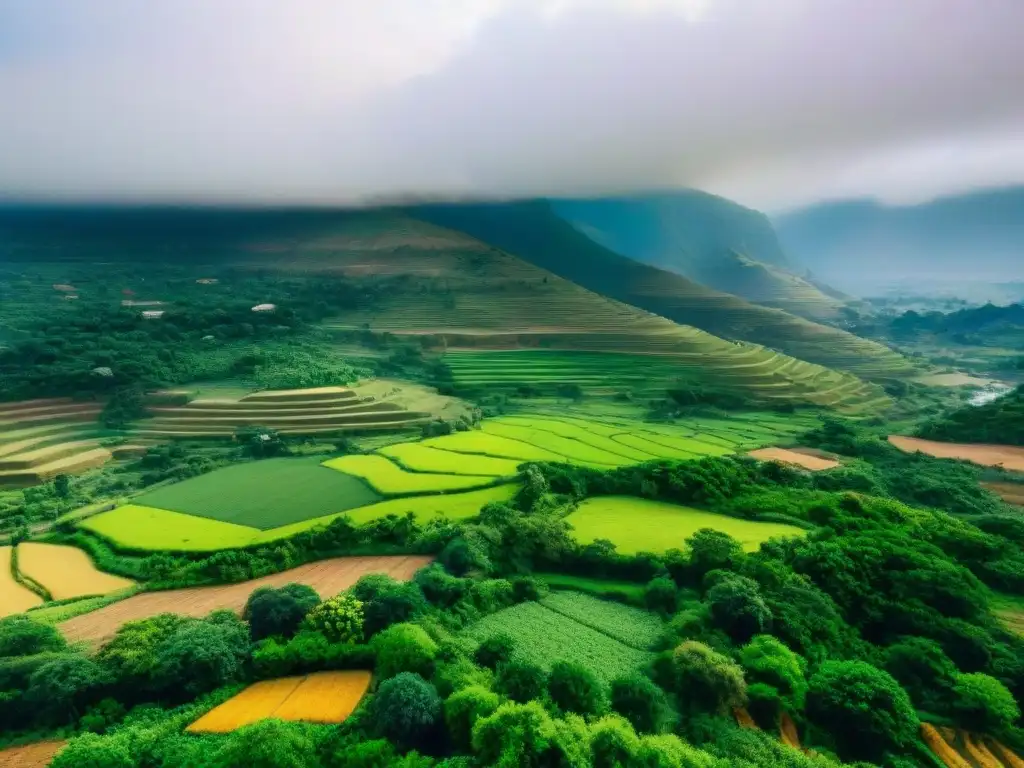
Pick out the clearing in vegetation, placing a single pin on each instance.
(544, 636)
(1005, 456)
(322, 697)
(36, 755)
(327, 577)
(635, 627)
(264, 494)
(158, 530)
(14, 598)
(641, 525)
(784, 456)
(389, 479)
(66, 572)
(1011, 493)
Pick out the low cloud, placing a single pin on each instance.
(777, 103)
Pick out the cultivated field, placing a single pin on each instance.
(424, 458)
(389, 479)
(327, 577)
(150, 529)
(36, 755)
(784, 456)
(264, 494)
(545, 636)
(627, 590)
(14, 598)
(66, 572)
(323, 697)
(632, 626)
(1005, 456)
(641, 525)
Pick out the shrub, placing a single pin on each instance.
(521, 681)
(738, 608)
(392, 605)
(661, 595)
(22, 636)
(464, 708)
(705, 679)
(63, 685)
(339, 619)
(514, 736)
(495, 650)
(406, 709)
(267, 744)
(271, 611)
(613, 743)
(404, 648)
(574, 688)
(641, 702)
(770, 663)
(308, 652)
(96, 752)
(982, 703)
(922, 668)
(201, 656)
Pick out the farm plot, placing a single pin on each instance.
(424, 458)
(635, 627)
(14, 598)
(545, 636)
(327, 577)
(486, 444)
(641, 525)
(264, 494)
(804, 460)
(574, 450)
(66, 572)
(1005, 456)
(389, 479)
(322, 697)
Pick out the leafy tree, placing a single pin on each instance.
(339, 619)
(669, 751)
(464, 708)
(641, 702)
(864, 709)
(766, 661)
(738, 608)
(515, 736)
(613, 743)
(278, 611)
(707, 680)
(102, 715)
(92, 751)
(63, 685)
(62, 485)
(268, 744)
(459, 557)
(710, 550)
(201, 656)
(407, 709)
(521, 681)
(404, 648)
(20, 635)
(388, 602)
(574, 688)
(983, 704)
(661, 595)
(131, 654)
(495, 650)
(922, 668)
(375, 753)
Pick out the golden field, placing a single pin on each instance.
(66, 571)
(14, 598)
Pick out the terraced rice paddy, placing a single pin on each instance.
(323, 697)
(424, 458)
(66, 572)
(14, 598)
(265, 494)
(40, 439)
(1006, 456)
(545, 636)
(625, 590)
(327, 577)
(149, 529)
(641, 525)
(389, 479)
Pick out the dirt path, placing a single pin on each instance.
(813, 463)
(328, 577)
(1006, 456)
(36, 755)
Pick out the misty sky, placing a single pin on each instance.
(776, 103)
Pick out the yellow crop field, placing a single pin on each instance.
(14, 598)
(66, 571)
(323, 697)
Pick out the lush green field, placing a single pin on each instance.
(627, 589)
(641, 525)
(635, 627)
(146, 528)
(390, 479)
(545, 636)
(425, 458)
(264, 494)
(486, 444)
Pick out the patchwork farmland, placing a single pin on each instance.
(66, 572)
(327, 577)
(14, 597)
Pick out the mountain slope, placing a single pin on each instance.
(863, 246)
(532, 231)
(708, 239)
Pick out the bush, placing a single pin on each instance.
(280, 611)
(61, 687)
(404, 648)
(268, 744)
(661, 595)
(495, 650)
(463, 709)
(407, 709)
(514, 736)
(392, 605)
(574, 688)
(738, 608)
(922, 668)
(613, 743)
(768, 662)
(339, 619)
(983, 704)
(521, 681)
(641, 702)
(308, 652)
(201, 656)
(22, 636)
(707, 680)
(92, 751)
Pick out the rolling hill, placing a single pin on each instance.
(532, 231)
(708, 239)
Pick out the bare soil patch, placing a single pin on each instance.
(800, 459)
(952, 380)
(328, 577)
(1005, 456)
(1011, 493)
(36, 755)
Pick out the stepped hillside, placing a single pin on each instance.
(532, 231)
(708, 239)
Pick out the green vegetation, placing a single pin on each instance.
(388, 478)
(642, 525)
(636, 628)
(1000, 422)
(424, 458)
(611, 588)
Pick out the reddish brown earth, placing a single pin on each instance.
(1006, 456)
(36, 755)
(800, 459)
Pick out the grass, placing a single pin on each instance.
(265, 494)
(14, 598)
(156, 530)
(486, 444)
(425, 458)
(628, 590)
(54, 614)
(66, 572)
(634, 627)
(641, 525)
(322, 697)
(545, 636)
(389, 479)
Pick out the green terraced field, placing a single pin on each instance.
(264, 494)
(641, 525)
(486, 444)
(389, 479)
(423, 458)
(145, 528)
